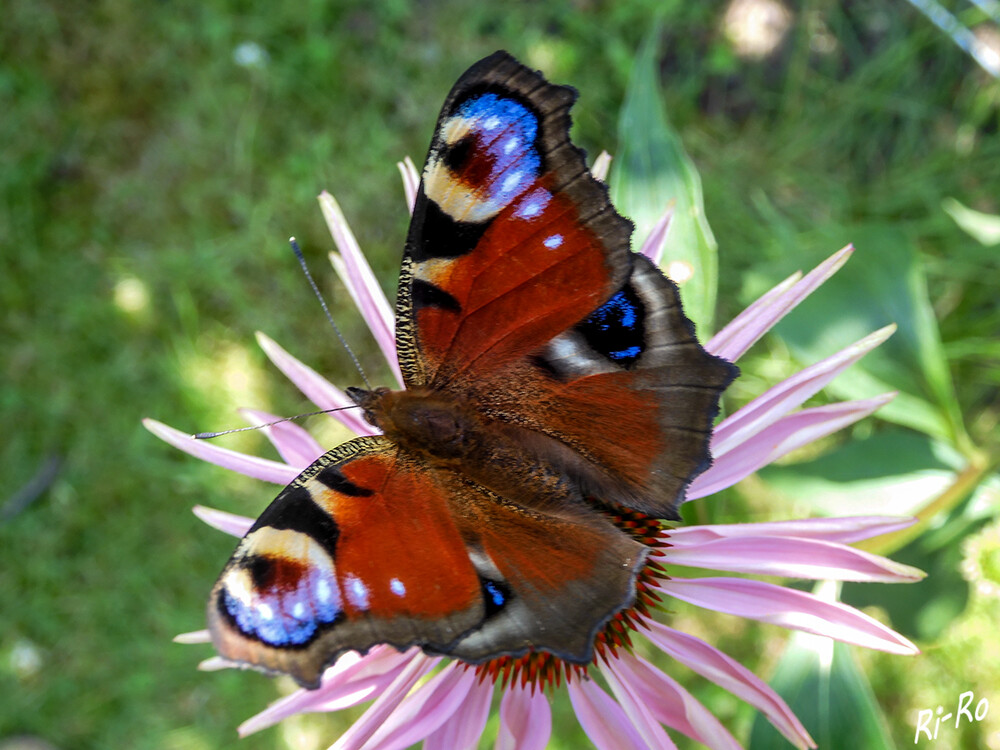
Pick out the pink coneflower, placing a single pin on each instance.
(444, 703)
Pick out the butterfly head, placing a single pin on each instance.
(368, 401)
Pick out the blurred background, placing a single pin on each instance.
(156, 156)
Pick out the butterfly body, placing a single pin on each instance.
(550, 376)
(508, 459)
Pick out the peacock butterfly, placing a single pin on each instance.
(550, 375)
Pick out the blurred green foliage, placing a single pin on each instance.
(157, 155)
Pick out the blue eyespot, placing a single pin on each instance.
(496, 595)
(498, 115)
(630, 353)
(272, 626)
(284, 615)
(505, 131)
(617, 311)
(616, 329)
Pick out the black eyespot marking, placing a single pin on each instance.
(294, 509)
(339, 483)
(425, 294)
(440, 236)
(496, 595)
(617, 328)
(545, 366)
(261, 569)
(457, 155)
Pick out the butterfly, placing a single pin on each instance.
(551, 377)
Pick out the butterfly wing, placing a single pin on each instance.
(512, 240)
(519, 292)
(565, 575)
(629, 388)
(370, 545)
(336, 562)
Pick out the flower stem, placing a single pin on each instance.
(979, 466)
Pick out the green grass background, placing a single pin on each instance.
(149, 183)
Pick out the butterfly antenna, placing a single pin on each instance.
(210, 435)
(350, 352)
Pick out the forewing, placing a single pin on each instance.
(360, 549)
(512, 240)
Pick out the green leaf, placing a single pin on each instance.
(650, 170)
(832, 698)
(982, 227)
(883, 283)
(894, 472)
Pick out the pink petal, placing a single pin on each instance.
(792, 558)
(353, 679)
(525, 720)
(721, 341)
(251, 466)
(602, 719)
(411, 181)
(779, 439)
(387, 701)
(295, 444)
(195, 636)
(672, 704)
(733, 340)
(317, 389)
(728, 673)
(845, 530)
(656, 242)
(463, 730)
(789, 394)
(601, 166)
(788, 608)
(216, 664)
(230, 523)
(364, 299)
(635, 708)
(424, 710)
(357, 276)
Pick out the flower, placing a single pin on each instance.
(446, 704)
